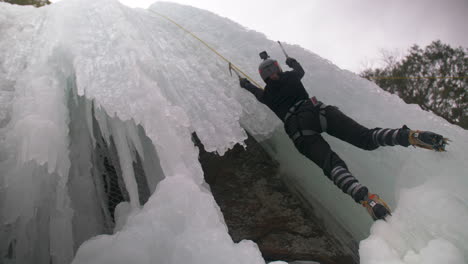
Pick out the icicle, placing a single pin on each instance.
(134, 138)
(102, 119)
(89, 119)
(126, 161)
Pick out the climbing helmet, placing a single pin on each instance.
(268, 67)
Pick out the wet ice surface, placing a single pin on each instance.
(137, 67)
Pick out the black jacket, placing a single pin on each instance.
(282, 94)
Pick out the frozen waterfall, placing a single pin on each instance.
(95, 96)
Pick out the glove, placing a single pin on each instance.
(290, 61)
(244, 82)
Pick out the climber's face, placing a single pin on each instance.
(274, 76)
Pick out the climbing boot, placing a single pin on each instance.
(427, 140)
(376, 207)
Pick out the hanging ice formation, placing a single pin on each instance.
(98, 103)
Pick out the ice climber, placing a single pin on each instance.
(306, 118)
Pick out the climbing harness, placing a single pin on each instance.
(292, 110)
(322, 116)
(231, 65)
(322, 112)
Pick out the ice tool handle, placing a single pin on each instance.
(282, 48)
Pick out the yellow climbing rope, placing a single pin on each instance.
(233, 66)
(208, 46)
(416, 78)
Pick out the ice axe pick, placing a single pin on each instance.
(231, 69)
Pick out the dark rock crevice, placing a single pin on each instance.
(257, 206)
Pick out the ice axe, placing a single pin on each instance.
(238, 72)
(282, 48)
(231, 69)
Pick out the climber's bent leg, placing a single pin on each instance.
(318, 150)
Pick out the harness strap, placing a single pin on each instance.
(301, 133)
(323, 118)
(293, 109)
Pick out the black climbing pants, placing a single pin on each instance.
(307, 118)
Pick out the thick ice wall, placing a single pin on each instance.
(107, 67)
(38, 109)
(34, 139)
(139, 49)
(111, 56)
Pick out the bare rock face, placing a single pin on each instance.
(257, 206)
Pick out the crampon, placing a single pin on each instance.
(376, 207)
(428, 140)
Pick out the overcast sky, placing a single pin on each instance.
(350, 33)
